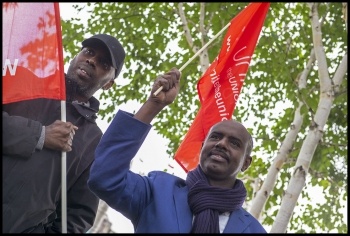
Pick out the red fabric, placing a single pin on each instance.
(220, 85)
(32, 54)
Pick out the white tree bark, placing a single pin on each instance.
(327, 91)
(263, 194)
(203, 56)
(101, 224)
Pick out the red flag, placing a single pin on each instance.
(220, 86)
(32, 53)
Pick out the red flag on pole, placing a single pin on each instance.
(32, 57)
(32, 53)
(220, 86)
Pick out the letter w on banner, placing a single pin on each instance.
(32, 57)
(220, 86)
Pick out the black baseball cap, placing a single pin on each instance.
(115, 49)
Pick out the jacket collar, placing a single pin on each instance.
(89, 113)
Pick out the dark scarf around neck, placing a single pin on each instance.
(207, 202)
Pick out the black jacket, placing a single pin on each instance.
(31, 192)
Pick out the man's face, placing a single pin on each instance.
(224, 152)
(89, 71)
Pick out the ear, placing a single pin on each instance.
(246, 164)
(108, 85)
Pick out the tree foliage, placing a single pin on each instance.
(154, 40)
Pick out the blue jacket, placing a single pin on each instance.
(156, 203)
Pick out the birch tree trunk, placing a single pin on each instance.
(203, 56)
(101, 224)
(263, 194)
(328, 88)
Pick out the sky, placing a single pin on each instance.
(148, 158)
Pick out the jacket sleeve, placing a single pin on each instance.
(110, 177)
(19, 135)
(82, 206)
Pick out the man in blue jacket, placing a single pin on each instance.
(209, 200)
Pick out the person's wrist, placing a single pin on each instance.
(41, 141)
(148, 111)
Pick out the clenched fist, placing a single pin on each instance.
(59, 136)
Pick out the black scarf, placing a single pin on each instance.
(207, 202)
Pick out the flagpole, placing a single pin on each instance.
(64, 176)
(64, 119)
(197, 53)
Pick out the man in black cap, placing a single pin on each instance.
(34, 138)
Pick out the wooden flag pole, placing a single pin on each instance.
(197, 53)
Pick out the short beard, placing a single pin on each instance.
(73, 89)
